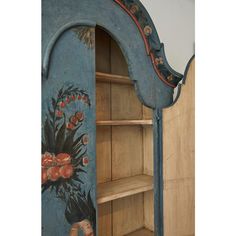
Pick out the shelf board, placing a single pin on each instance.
(141, 232)
(117, 79)
(123, 187)
(124, 122)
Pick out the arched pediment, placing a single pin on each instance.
(130, 25)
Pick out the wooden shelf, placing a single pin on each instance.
(124, 122)
(117, 79)
(124, 187)
(141, 232)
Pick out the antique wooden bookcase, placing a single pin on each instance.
(105, 82)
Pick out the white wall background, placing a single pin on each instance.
(175, 23)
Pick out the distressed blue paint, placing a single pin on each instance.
(67, 60)
(154, 48)
(56, 36)
(106, 13)
(158, 173)
(71, 63)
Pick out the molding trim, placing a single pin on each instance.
(53, 41)
(154, 48)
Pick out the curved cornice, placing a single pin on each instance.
(183, 81)
(154, 48)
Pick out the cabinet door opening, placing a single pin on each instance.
(124, 147)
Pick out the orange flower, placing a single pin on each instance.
(44, 176)
(63, 159)
(68, 100)
(62, 104)
(73, 97)
(70, 126)
(66, 171)
(53, 173)
(59, 113)
(47, 159)
(74, 120)
(79, 116)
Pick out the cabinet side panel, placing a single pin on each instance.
(178, 154)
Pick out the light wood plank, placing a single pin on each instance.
(124, 187)
(178, 158)
(105, 219)
(111, 78)
(148, 150)
(147, 113)
(123, 149)
(127, 214)
(127, 156)
(103, 143)
(124, 122)
(141, 232)
(103, 101)
(124, 103)
(179, 133)
(179, 207)
(103, 154)
(118, 63)
(149, 210)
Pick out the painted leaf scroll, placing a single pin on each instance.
(68, 137)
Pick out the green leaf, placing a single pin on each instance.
(81, 170)
(77, 178)
(49, 136)
(92, 210)
(54, 103)
(68, 145)
(60, 138)
(60, 93)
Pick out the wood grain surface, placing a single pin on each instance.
(178, 154)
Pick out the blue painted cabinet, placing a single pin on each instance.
(68, 134)
(69, 185)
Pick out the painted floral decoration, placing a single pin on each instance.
(86, 35)
(134, 8)
(153, 45)
(147, 30)
(170, 78)
(64, 157)
(159, 60)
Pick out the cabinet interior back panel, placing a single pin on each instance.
(122, 151)
(127, 151)
(128, 214)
